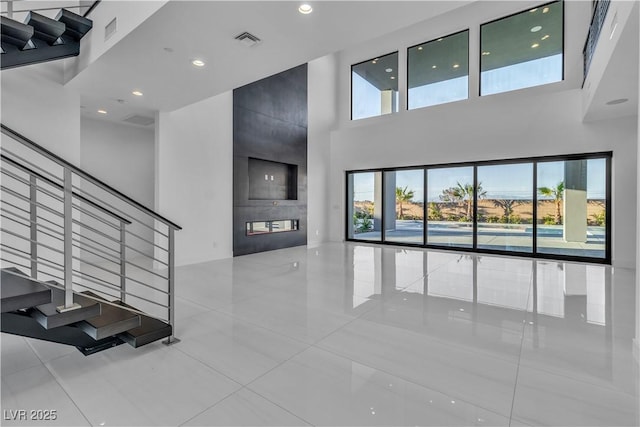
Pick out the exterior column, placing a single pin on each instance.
(574, 224)
(387, 100)
(390, 201)
(377, 202)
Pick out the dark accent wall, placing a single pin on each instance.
(270, 125)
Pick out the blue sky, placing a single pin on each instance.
(499, 181)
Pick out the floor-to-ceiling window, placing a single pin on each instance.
(572, 207)
(450, 206)
(505, 207)
(364, 221)
(549, 207)
(404, 206)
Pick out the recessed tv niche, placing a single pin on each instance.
(269, 180)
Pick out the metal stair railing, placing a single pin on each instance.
(60, 223)
(600, 9)
(9, 7)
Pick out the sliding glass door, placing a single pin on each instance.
(505, 207)
(365, 209)
(451, 207)
(549, 207)
(572, 207)
(404, 206)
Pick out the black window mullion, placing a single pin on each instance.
(534, 219)
(475, 207)
(424, 208)
(383, 237)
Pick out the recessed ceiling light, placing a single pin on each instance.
(536, 29)
(617, 101)
(545, 10)
(392, 77)
(137, 93)
(533, 10)
(456, 65)
(535, 45)
(102, 111)
(198, 63)
(434, 66)
(419, 47)
(546, 36)
(440, 39)
(388, 70)
(305, 9)
(485, 53)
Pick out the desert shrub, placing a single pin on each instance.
(435, 212)
(515, 219)
(365, 225)
(599, 218)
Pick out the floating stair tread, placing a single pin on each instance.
(150, 330)
(48, 316)
(76, 26)
(18, 291)
(46, 29)
(15, 33)
(20, 323)
(112, 321)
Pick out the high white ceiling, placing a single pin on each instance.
(156, 57)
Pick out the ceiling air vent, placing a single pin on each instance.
(139, 120)
(248, 39)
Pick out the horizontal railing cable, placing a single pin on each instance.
(101, 239)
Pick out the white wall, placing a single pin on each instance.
(538, 121)
(637, 340)
(322, 119)
(37, 105)
(194, 177)
(493, 128)
(129, 15)
(120, 155)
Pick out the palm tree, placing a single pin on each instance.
(403, 195)
(465, 192)
(507, 206)
(556, 193)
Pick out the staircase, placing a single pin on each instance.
(41, 39)
(81, 263)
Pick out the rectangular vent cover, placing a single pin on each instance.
(110, 29)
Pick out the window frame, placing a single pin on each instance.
(351, 119)
(562, 3)
(606, 155)
(468, 30)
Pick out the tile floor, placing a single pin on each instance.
(351, 334)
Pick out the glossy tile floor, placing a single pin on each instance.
(351, 334)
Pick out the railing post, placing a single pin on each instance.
(33, 227)
(171, 339)
(68, 244)
(123, 263)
